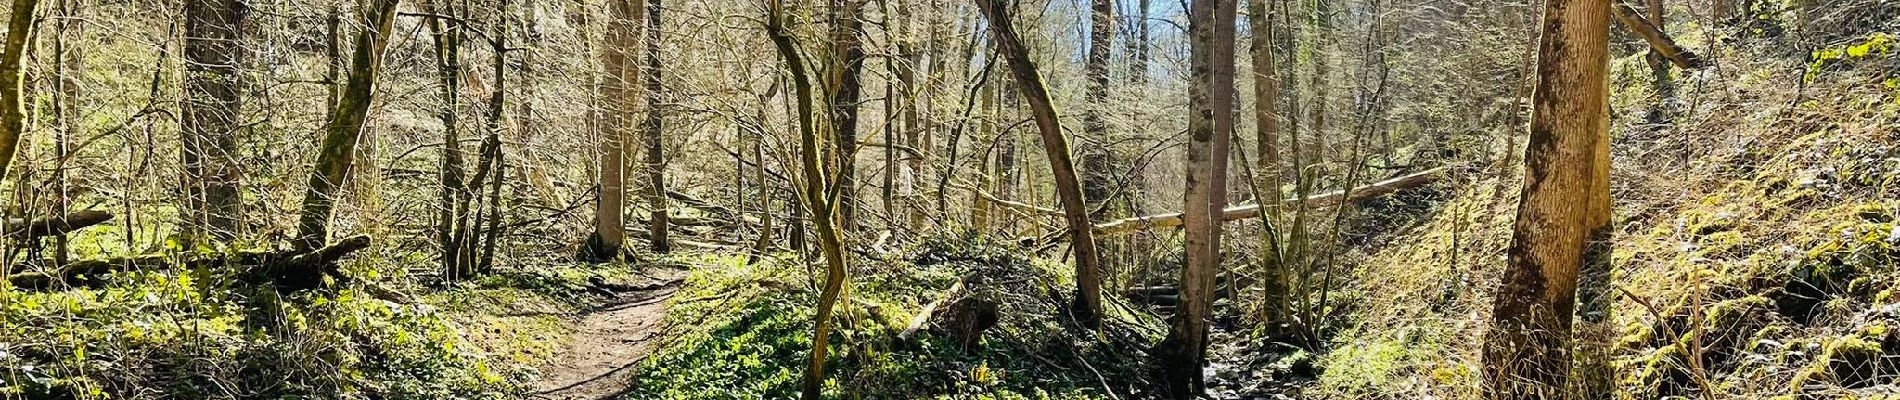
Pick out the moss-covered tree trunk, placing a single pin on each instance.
(12, 104)
(818, 193)
(1087, 307)
(847, 65)
(345, 127)
(1564, 204)
(210, 116)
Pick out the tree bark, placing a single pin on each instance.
(1210, 129)
(847, 65)
(12, 104)
(657, 217)
(1274, 313)
(623, 72)
(452, 214)
(1088, 299)
(1527, 349)
(818, 195)
(210, 114)
(346, 125)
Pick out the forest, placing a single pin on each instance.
(949, 199)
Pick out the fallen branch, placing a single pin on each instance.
(55, 226)
(1381, 188)
(1657, 39)
(922, 319)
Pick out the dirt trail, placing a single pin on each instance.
(609, 344)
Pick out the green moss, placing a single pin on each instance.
(1849, 361)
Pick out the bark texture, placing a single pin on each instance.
(1210, 129)
(346, 125)
(210, 115)
(1527, 349)
(1088, 300)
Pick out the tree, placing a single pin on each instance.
(345, 127)
(1275, 314)
(819, 193)
(12, 105)
(210, 115)
(1088, 297)
(452, 215)
(847, 64)
(622, 73)
(657, 221)
(1210, 129)
(1096, 174)
(1564, 200)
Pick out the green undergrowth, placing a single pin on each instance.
(743, 330)
(151, 335)
(1756, 251)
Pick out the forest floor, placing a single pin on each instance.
(609, 344)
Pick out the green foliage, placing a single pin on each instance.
(745, 328)
(158, 333)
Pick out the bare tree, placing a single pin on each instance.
(657, 218)
(12, 107)
(623, 72)
(1088, 296)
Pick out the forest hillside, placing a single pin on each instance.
(937, 199)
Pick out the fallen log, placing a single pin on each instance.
(1658, 40)
(1381, 188)
(295, 270)
(55, 226)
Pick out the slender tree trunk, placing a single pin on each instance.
(1097, 158)
(819, 198)
(492, 167)
(345, 126)
(1210, 132)
(1322, 72)
(12, 91)
(1088, 298)
(1658, 68)
(657, 219)
(1563, 205)
(452, 213)
(1275, 314)
(210, 114)
(1138, 69)
(847, 57)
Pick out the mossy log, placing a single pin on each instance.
(55, 226)
(290, 270)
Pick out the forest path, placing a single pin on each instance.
(609, 344)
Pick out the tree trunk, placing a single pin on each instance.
(657, 217)
(346, 125)
(451, 215)
(623, 27)
(210, 115)
(1274, 311)
(12, 104)
(819, 198)
(1210, 129)
(847, 58)
(1527, 351)
(1088, 299)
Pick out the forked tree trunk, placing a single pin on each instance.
(1210, 129)
(210, 115)
(346, 125)
(1564, 202)
(452, 214)
(818, 195)
(1088, 298)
